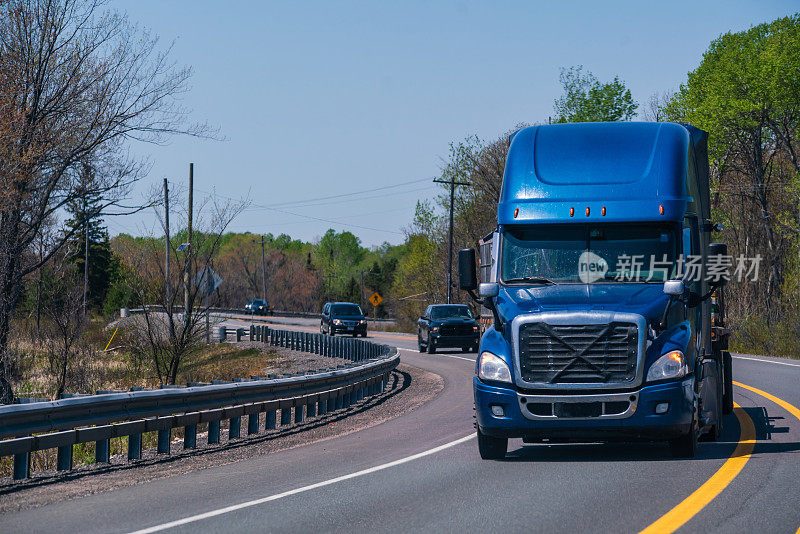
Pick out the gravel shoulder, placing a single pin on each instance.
(409, 388)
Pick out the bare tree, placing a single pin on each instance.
(76, 82)
(655, 109)
(63, 319)
(165, 333)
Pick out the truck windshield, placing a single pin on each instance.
(588, 253)
(446, 312)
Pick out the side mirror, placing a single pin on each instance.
(674, 288)
(489, 289)
(467, 278)
(719, 250)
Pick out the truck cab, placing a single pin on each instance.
(598, 292)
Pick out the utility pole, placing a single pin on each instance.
(452, 183)
(187, 262)
(361, 286)
(166, 242)
(263, 273)
(85, 254)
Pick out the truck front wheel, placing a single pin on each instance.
(685, 446)
(490, 447)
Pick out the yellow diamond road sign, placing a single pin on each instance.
(375, 299)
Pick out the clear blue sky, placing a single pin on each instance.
(324, 98)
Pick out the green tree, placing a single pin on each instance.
(86, 221)
(746, 94)
(339, 255)
(587, 99)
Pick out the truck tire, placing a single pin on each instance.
(431, 346)
(727, 390)
(490, 447)
(685, 446)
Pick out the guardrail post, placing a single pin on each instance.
(134, 446)
(64, 458)
(190, 437)
(22, 465)
(213, 432)
(339, 400)
(286, 416)
(311, 409)
(298, 413)
(102, 451)
(238, 335)
(234, 427)
(322, 407)
(252, 423)
(252, 332)
(164, 439)
(269, 423)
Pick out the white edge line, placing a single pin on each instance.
(442, 354)
(233, 508)
(767, 361)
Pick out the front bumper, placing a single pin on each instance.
(360, 329)
(638, 423)
(453, 342)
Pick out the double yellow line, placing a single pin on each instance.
(691, 505)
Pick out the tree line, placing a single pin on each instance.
(746, 94)
(78, 81)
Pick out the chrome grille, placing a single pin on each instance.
(570, 354)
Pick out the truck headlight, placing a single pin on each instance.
(670, 365)
(363, 321)
(491, 367)
(337, 321)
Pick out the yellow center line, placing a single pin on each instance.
(691, 505)
(695, 502)
(780, 402)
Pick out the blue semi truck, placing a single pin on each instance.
(599, 286)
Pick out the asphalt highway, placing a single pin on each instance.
(421, 472)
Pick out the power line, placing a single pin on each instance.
(341, 195)
(329, 221)
(418, 190)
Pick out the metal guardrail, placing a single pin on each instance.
(61, 424)
(272, 313)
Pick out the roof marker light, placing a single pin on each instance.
(587, 211)
(516, 212)
(572, 212)
(661, 209)
(603, 211)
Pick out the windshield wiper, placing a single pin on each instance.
(531, 280)
(613, 277)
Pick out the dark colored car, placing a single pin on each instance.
(448, 326)
(257, 307)
(343, 318)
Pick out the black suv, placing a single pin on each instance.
(343, 318)
(257, 307)
(448, 325)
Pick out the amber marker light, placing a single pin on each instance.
(603, 211)
(572, 212)
(676, 356)
(516, 212)
(587, 211)
(661, 209)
